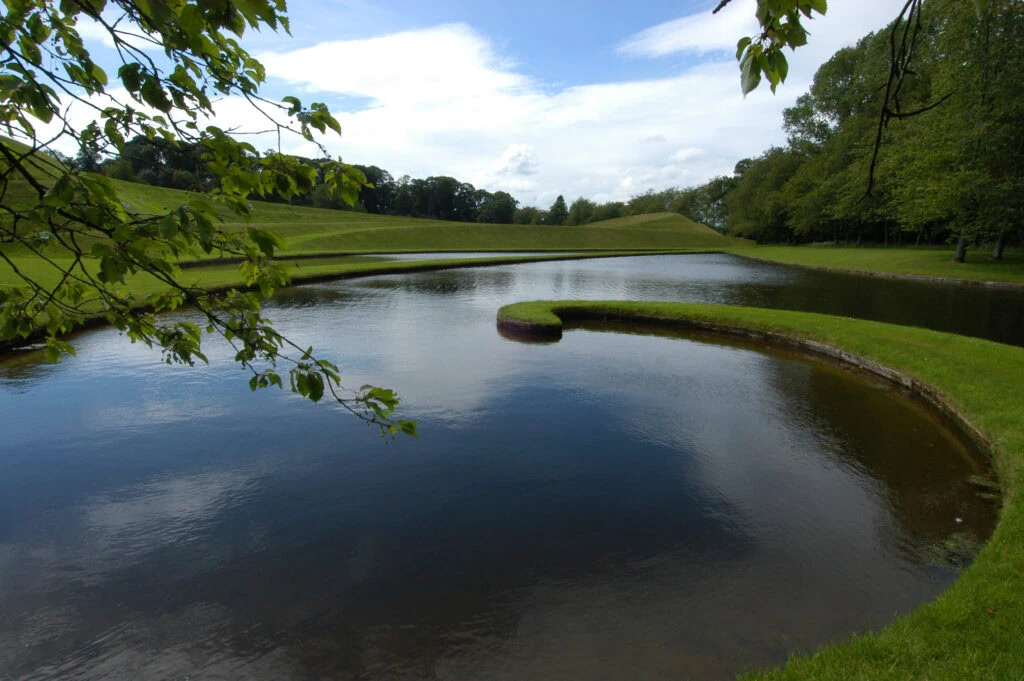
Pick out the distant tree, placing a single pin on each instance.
(498, 208)
(704, 203)
(580, 212)
(528, 215)
(608, 211)
(379, 196)
(467, 202)
(755, 208)
(88, 157)
(558, 212)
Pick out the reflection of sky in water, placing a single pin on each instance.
(586, 509)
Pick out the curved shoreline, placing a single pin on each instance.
(885, 275)
(357, 270)
(972, 630)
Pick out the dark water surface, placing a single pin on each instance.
(613, 506)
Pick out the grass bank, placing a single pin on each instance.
(975, 629)
(320, 244)
(928, 263)
(219, 276)
(315, 230)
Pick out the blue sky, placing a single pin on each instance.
(559, 43)
(596, 99)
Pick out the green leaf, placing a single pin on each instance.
(295, 106)
(750, 74)
(742, 45)
(266, 240)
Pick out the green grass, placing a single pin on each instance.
(975, 630)
(320, 242)
(314, 230)
(904, 262)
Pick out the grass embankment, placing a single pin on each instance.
(321, 243)
(927, 263)
(975, 630)
(330, 236)
(316, 231)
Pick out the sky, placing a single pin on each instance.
(597, 99)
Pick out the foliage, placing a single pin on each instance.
(781, 23)
(951, 172)
(75, 221)
(558, 213)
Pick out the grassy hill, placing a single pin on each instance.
(314, 230)
(324, 244)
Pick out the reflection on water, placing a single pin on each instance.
(611, 506)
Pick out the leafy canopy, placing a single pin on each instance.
(73, 247)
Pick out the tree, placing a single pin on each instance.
(756, 208)
(378, 196)
(557, 213)
(498, 208)
(72, 222)
(528, 215)
(580, 212)
(963, 163)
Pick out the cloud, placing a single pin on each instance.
(518, 159)
(687, 154)
(703, 32)
(444, 100)
(698, 33)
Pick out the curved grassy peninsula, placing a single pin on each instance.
(976, 629)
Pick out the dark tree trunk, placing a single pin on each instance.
(997, 252)
(961, 250)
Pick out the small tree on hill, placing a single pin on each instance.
(558, 212)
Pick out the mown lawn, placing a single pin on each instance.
(917, 262)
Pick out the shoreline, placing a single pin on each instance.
(988, 283)
(971, 630)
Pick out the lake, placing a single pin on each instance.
(615, 505)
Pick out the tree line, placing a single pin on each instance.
(947, 165)
(182, 166)
(950, 158)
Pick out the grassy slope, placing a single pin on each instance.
(916, 262)
(332, 234)
(975, 630)
(313, 230)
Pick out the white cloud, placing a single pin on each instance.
(518, 159)
(699, 33)
(687, 154)
(444, 100)
(704, 32)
